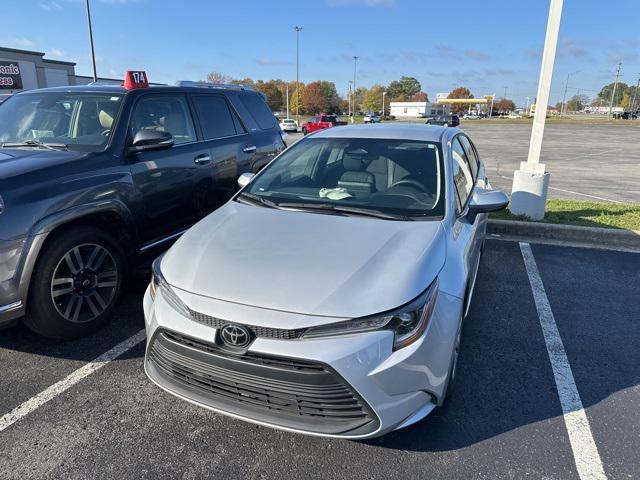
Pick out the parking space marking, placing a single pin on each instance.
(585, 451)
(56, 389)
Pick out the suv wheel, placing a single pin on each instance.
(76, 283)
(304, 131)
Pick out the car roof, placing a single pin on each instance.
(429, 133)
(111, 88)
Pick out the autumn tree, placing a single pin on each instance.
(420, 97)
(293, 99)
(503, 105)
(218, 77)
(577, 103)
(372, 99)
(274, 96)
(460, 92)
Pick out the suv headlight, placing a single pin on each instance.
(408, 323)
(159, 284)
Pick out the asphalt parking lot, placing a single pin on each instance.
(587, 162)
(504, 420)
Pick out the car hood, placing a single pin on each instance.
(17, 161)
(308, 263)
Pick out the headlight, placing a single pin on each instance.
(159, 284)
(408, 323)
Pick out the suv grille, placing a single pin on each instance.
(278, 333)
(283, 392)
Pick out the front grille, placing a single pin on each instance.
(278, 333)
(279, 391)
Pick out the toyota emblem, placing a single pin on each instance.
(235, 335)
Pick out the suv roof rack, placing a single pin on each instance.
(225, 86)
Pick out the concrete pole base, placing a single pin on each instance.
(529, 192)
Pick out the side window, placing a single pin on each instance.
(471, 155)
(215, 117)
(259, 110)
(164, 114)
(462, 177)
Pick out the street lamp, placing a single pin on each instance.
(383, 94)
(349, 96)
(298, 29)
(93, 53)
(355, 61)
(531, 181)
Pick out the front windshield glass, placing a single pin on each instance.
(82, 121)
(400, 177)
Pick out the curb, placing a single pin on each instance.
(602, 237)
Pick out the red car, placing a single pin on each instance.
(320, 122)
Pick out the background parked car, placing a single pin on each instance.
(444, 120)
(289, 125)
(91, 177)
(320, 122)
(371, 117)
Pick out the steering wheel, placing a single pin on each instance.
(413, 183)
(106, 132)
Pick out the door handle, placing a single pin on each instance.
(202, 159)
(249, 149)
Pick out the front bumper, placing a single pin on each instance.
(393, 389)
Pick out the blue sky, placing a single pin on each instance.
(483, 44)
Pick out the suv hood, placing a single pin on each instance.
(17, 161)
(304, 262)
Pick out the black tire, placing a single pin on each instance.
(304, 131)
(86, 295)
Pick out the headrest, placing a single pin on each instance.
(105, 119)
(352, 162)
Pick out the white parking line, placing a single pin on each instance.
(585, 452)
(56, 389)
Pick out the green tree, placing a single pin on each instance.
(577, 103)
(331, 97)
(402, 90)
(372, 99)
(358, 98)
(605, 93)
(274, 96)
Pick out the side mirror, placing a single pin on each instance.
(485, 201)
(245, 178)
(146, 140)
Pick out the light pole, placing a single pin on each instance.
(355, 61)
(298, 29)
(564, 97)
(93, 53)
(531, 181)
(287, 100)
(633, 102)
(349, 96)
(505, 92)
(383, 94)
(613, 93)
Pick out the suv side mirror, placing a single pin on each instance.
(245, 178)
(485, 201)
(146, 140)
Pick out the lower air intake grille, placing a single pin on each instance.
(279, 391)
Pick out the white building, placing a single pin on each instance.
(416, 109)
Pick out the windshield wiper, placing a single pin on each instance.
(256, 200)
(365, 212)
(37, 143)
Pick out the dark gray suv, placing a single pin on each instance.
(93, 176)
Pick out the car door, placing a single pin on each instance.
(226, 137)
(173, 183)
(466, 235)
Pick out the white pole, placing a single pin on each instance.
(531, 182)
(287, 99)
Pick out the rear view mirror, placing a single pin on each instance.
(245, 178)
(146, 140)
(485, 201)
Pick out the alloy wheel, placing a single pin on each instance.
(84, 282)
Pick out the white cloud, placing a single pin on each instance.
(265, 61)
(50, 5)
(18, 42)
(55, 52)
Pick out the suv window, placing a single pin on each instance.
(471, 155)
(259, 111)
(215, 117)
(462, 176)
(165, 114)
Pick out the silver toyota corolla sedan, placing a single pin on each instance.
(327, 297)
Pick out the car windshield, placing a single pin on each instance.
(395, 177)
(81, 121)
